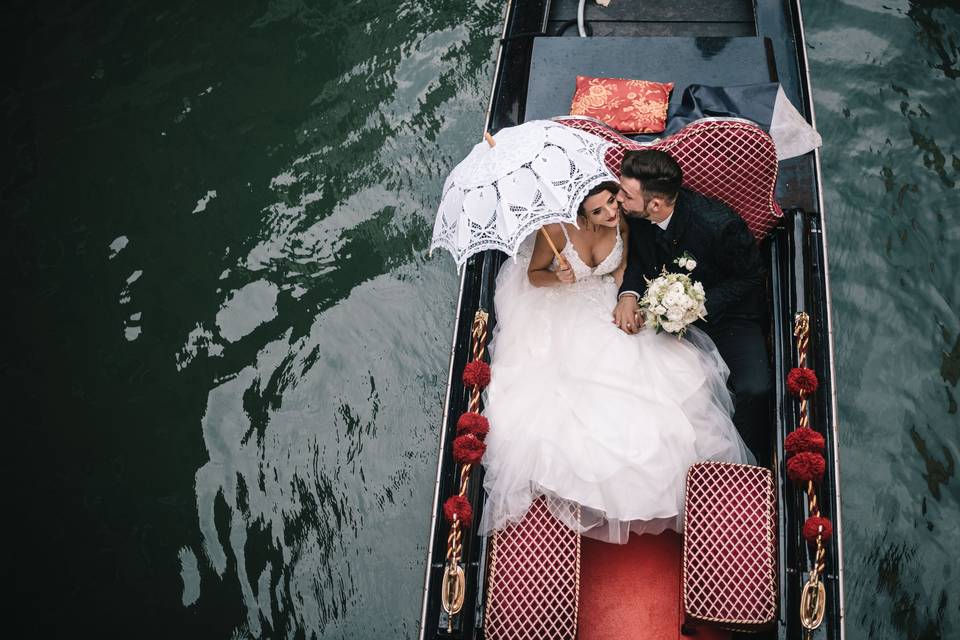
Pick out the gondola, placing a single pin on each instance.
(712, 42)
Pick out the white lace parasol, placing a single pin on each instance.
(535, 174)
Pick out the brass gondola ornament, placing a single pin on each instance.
(812, 604)
(802, 382)
(453, 589)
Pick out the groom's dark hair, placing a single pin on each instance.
(656, 170)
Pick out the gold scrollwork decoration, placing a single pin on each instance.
(813, 601)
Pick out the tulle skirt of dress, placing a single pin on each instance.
(603, 424)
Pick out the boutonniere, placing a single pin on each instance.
(686, 261)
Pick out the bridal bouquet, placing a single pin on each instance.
(672, 302)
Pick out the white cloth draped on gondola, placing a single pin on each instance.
(584, 414)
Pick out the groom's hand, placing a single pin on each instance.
(627, 314)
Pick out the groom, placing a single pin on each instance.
(667, 221)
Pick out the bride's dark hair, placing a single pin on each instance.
(607, 185)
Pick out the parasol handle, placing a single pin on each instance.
(489, 139)
(560, 258)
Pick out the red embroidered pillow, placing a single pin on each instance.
(629, 106)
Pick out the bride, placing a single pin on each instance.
(600, 423)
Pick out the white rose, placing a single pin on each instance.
(659, 309)
(674, 314)
(672, 327)
(690, 265)
(682, 263)
(690, 316)
(678, 288)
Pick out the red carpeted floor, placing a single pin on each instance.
(632, 591)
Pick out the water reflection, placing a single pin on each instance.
(230, 348)
(304, 461)
(322, 443)
(885, 91)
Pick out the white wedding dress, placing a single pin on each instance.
(603, 424)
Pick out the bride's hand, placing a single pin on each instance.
(627, 316)
(565, 274)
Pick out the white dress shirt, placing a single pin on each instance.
(663, 224)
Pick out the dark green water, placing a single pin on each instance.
(886, 87)
(229, 347)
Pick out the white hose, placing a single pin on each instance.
(580, 27)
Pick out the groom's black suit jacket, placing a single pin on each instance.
(728, 259)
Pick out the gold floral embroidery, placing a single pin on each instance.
(644, 109)
(630, 106)
(599, 94)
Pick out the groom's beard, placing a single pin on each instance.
(637, 215)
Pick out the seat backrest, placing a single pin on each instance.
(731, 160)
(534, 578)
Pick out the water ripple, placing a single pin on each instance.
(321, 447)
(885, 108)
(231, 344)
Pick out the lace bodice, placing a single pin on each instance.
(581, 269)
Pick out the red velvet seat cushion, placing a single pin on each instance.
(629, 106)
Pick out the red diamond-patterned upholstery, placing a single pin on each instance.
(729, 574)
(534, 579)
(731, 160)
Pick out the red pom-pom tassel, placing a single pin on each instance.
(815, 525)
(468, 449)
(806, 466)
(804, 439)
(473, 423)
(802, 379)
(476, 374)
(460, 507)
